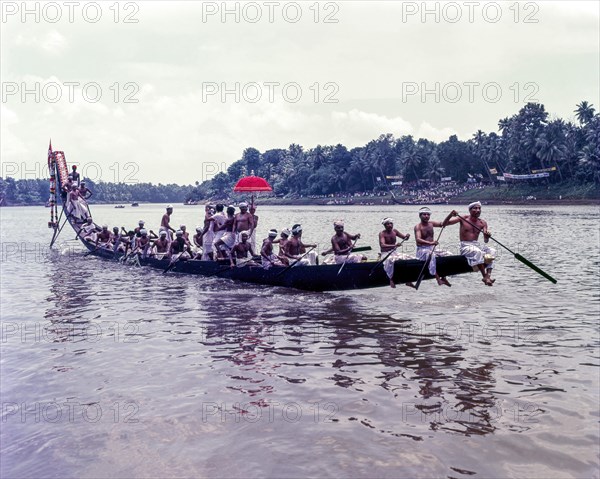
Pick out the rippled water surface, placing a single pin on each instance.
(117, 371)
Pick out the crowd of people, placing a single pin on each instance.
(231, 237)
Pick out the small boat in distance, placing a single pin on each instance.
(135, 204)
(119, 206)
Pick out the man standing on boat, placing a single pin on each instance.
(252, 210)
(478, 255)
(164, 223)
(228, 239)
(208, 234)
(219, 219)
(426, 242)
(74, 175)
(342, 244)
(244, 221)
(295, 249)
(389, 248)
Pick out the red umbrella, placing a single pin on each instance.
(252, 183)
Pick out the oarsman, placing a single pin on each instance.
(426, 243)
(342, 244)
(389, 248)
(241, 251)
(118, 244)
(161, 245)
(244, 221)
(143, 243)
(89, 231)
(269, 258)
(186, 234)
(103, 238)
(478, 255)
(140, 226)
(224, 245)
(283, 239)
(208, 234)
(74, 175)
(164, 223)
(180, 247)
(252, 210)
(219, 219)
(296, 251)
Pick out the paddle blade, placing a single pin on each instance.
(534, 267)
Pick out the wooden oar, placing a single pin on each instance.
(292, 265)
(172, 263)
(427, 261)
(386, 256)
(347, 256)
(523, 260)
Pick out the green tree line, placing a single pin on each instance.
(32, 192)
(526, 141)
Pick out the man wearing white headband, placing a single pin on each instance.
(480, 256)
(342, 244)
(389, 248)
(244, 221)
(266, 253)
(296, 250)
(427, 245)
(241, 251)
(161, 245)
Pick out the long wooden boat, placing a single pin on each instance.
(318, 278)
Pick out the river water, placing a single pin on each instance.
(116, 371)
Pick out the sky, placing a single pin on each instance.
(173, 92)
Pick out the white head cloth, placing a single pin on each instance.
(243, 204)
(245, 232)
(169, 207)
(297, 229)
(273, 232)
(425, 209)
(286, 232)
(386, 220)
(475, 203)
(338, 223)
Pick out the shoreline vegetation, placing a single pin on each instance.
(532, 159)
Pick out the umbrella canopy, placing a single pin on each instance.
(252, 183)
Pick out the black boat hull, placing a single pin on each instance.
(310, 278)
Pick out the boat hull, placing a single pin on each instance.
(319, 278)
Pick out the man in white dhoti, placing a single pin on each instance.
(342, 244)
(219, 220)
(480, 256)
(390, 249)
(89, 231)
(75, 206)
(427, 245)
(269, 258)
(296, 250)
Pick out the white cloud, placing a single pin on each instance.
(54, 43)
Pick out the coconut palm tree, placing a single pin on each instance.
(584, 112)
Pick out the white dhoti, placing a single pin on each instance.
(388, 264)
(273, 260)
(229, 239)
(423, 253)
(348, 258)
(77, 208)
(218, 235)
(309, 259)
(475, 253)
(252, 240)
(207, 244)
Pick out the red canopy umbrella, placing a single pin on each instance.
(253, 184)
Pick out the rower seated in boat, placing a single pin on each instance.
(240, 252)
(390, 249)
(103, 238)
(427, 245)
(283, 239)
(295, 249)
(161, 245)
(180, 247)
(480, 256)
(269, 258)
(342, 244)
(89, 231)
(143, 243)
